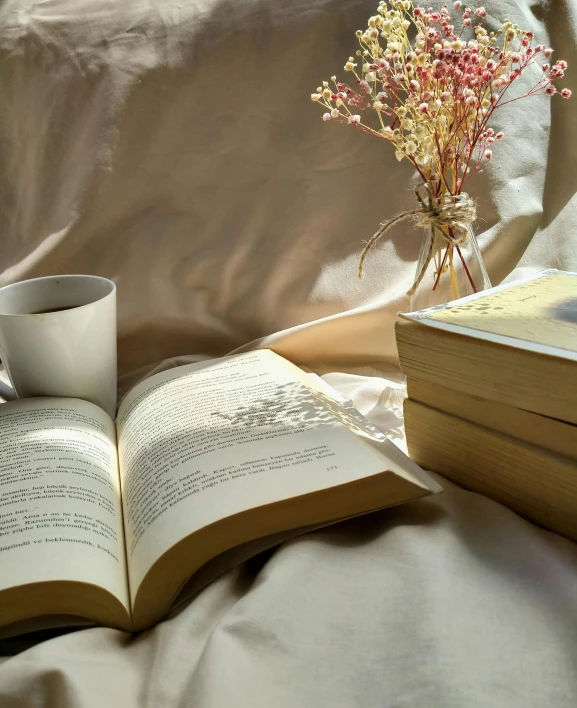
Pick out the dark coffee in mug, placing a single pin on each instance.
(53, 309)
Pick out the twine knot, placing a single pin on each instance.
(450, 219)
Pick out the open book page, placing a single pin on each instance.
(213, 439)
(60, 509)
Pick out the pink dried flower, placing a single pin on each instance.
(439, 69)
(439, 89)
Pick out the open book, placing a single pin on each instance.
(109, 521)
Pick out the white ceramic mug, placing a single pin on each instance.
(69, 352)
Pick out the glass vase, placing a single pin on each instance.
(450, 264)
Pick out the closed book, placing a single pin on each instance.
(548, 433)
(535, 482)
(515, 344)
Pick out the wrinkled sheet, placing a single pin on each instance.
(172, 146)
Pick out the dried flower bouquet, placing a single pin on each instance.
(433, 97)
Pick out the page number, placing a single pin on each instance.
(332, 467)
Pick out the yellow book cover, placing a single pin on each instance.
(537, 313)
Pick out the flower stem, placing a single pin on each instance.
(466, 269)
(441, 267)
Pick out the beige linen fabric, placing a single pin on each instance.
(172, 147)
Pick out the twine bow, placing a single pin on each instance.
(449, 219)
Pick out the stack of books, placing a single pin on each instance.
(492, 394)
